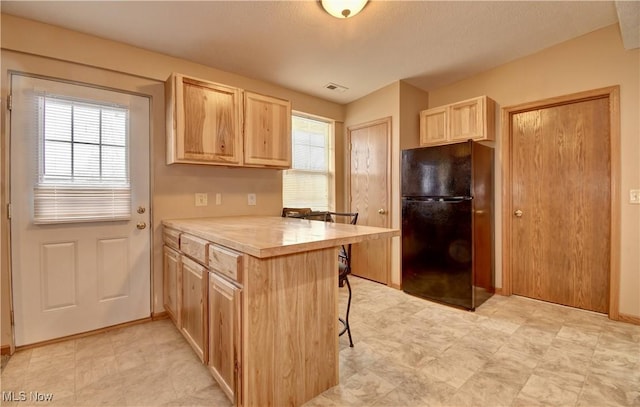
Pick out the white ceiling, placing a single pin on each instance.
(297, 45)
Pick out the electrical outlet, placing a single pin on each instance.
(251, 199)
(201, 199)
(218, 198)
(634, 196)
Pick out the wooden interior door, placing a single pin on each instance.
(561, 197)
(370, 196)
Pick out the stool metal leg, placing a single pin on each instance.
(345, 321)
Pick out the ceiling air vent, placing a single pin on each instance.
(335, 87)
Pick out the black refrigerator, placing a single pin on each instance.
(447, 223)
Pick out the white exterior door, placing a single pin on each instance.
(80, 233)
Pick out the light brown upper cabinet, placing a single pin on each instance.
(203, 122)
(434, 126)
(214, 124)
(461, 121)
(267, 130)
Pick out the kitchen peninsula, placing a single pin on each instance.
(257, 299)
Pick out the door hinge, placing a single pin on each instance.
(8, 211)
(9, 102)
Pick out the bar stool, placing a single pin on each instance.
(344, 259)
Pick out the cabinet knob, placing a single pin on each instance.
(381, 211)
(518, 213)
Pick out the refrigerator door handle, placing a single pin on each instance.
(452, 199)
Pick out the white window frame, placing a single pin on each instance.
(330, 171)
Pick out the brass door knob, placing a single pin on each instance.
(518, 213)
(141, 225)
(381, 211)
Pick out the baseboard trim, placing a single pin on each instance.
(498, 291)
(5, 350)
(396, 286)
(159, 315)
(631, 319)
(85, 334)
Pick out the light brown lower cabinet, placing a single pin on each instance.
(193, 306)
(232, 309)
(224, 334)
(172, 283)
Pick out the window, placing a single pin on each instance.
(307, 183)
(83, 171)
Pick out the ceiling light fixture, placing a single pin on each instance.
(343, 8)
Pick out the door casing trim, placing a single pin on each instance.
(613, 93)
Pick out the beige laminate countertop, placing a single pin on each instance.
(268, 236)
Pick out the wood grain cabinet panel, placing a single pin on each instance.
(193, 306)
(171, 238)
(267, 131)
(203, 122)
(224, 333)
(469, 119)
(194, 247)
(172, 283)
(433, 126)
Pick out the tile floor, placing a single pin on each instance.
(408, 352)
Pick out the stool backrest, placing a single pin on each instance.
(341, 217)
(295, 212)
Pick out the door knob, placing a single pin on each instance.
(518, 213)
(141, 225)
(381, 211)
(141, 209)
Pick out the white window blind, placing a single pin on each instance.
(83, 171)
(306, 184)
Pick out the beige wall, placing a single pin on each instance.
(592, 61)
(402, 102)
(42, 49)
(412, 101)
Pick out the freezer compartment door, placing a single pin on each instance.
(437, 250)
(437, 171)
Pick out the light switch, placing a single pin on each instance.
(218, 198)
(201, 199)
(251, 199)
(634, 196)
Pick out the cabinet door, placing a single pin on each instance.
(204, 123)
(193, 305)
(434, 126)
(466, 120)
(267, 131)
(224, 333)
(171, 283)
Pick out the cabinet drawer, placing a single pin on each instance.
(171, 238)
(225, 261)
(194, 247)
